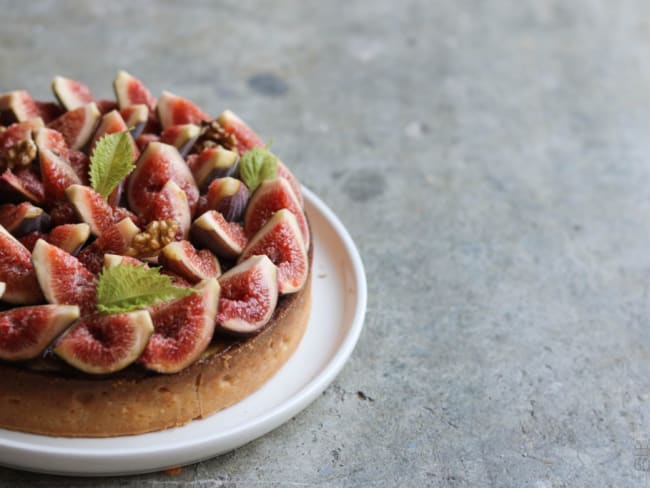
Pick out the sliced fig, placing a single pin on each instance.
(284, 172)
(249, 294)
(25, 332)
(53, 140)
(211, 163)
(69, 237)
(48, 111)
(183, 259)
(17, 271)
(63, 278)
(271, 196)
(102, 344)
(57, 175)
(280, 239)
(17, 106)
(183, 329)
(18, 132)
(212, 231)
(158, 164)
(112, 123)
(175, 110)
(182, 137)
(23, 218)
(131, 91)
(20, 185)
(115, 240)
(78, 125)
(228, 196)
(143, 140)
(171, 204)
(70, 93)
(111, 260)
(80, 164)
(136, 117)
(3, 287)
(91, 207)
(62, 212)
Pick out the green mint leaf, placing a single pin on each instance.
(111, 162)
(124, 288)
(256, 166)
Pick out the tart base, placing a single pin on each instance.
(56, 404)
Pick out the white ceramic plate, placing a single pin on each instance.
(338, 310)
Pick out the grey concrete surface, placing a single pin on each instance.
(491, 161)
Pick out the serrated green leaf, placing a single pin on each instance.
(111, 162)
(124, 288)
(257, 165)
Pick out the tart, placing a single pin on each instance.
(155, 261)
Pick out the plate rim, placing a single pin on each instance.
(261, 424)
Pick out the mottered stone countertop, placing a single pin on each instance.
(491, 161)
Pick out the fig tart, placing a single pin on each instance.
(155, 261)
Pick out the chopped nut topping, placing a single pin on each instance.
(19, 154)
(214, 135)
(150, 241)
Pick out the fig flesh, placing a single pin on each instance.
(17, 272)
(158, 164)
(102, 344)
(183, 329)
(70, 93)
(183, 259)
(228, 196)
(25, 332)
(211, 163)
(175, 110)
(249, 294)
(57, 175)
(91, 207)
(112, 123)
(212, 231)
(17, 106)
(23, 218)
(171, 204)
(131, 91)
(271, 196)
(182, 137)
(136, 117)
(69, 237)
(53, 140)
(63, 278)
(78, 125)
(115, 240)
(280, 239)
(20, 185)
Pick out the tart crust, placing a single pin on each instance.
(59, 403)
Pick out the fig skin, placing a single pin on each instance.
(212, 231)
(183, 259)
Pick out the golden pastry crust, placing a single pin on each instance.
(72, 405)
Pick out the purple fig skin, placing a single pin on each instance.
(233, 207)
(24, 218)
(219, 164)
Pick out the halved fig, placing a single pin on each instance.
(80, 164)
(247, 139)
(280, 239)
(182, 137)
(62, 212)
(53, 140)
(183, 259)
(102, 344)
(17, 271)
(69, 237)
(3, 287)
(70, 93)
(271, 196)
(171, 204)
(48, 111)
(20, 185)
(183, 329)
(212, 231)
(63, 278)
(211, 163)
(158, 164)
(175, 110)
(18, 132)
(78, 125)
(115, 240)
(131, 91)
(228, 196)
(112, 123)
(17, 106)
(91, 207)
(143, 140)
(136, 117)
(25, 332)
(23, 218)
(57, 175)
(249, 294)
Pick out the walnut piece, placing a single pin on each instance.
(214, 135)
(150, 241)
(20, 154)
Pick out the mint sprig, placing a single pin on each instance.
(256, 166)
(111, 162)
(123, 288)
